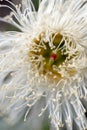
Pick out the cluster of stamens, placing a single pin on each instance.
(46, 56)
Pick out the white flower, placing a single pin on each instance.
(47, 58)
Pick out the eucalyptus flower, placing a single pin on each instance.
(46, 58)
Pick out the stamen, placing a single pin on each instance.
(44, 57)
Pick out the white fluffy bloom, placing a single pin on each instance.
(47, 58)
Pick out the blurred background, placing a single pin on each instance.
(6, 11)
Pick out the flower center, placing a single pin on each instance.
(48, 55)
